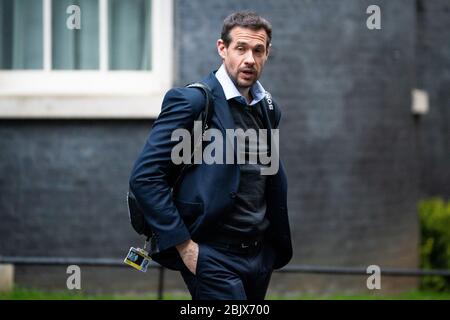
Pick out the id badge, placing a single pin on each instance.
(138, 258)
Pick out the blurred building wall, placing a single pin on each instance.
(356, 159)
(433, 75)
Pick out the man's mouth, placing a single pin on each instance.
(248, 72)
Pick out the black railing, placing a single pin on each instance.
(106, 262)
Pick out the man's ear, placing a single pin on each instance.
(221, 48)
(268, 50)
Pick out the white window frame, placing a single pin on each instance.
(95, 93)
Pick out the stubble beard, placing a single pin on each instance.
(239, 84)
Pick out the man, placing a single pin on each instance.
(226, 228)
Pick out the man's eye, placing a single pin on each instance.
(259, 50)
(240, 48)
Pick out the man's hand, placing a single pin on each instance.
(188, 251)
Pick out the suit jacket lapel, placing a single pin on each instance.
(266, 118)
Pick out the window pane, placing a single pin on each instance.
(129, 24)
(75, 49)
(21, 35)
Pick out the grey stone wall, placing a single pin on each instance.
(357, 161)
(62, 194)
(63, 186)
(433, 75)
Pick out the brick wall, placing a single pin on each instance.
(355, 158)
(433, 75)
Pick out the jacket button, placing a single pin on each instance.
(232, 195)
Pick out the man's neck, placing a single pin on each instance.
(246, 93)
(251, 94)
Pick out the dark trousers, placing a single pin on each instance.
(230, 273)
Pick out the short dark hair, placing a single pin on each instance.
(245, 19)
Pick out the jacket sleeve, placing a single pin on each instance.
(149, 176)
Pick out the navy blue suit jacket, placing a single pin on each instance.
(207, 191)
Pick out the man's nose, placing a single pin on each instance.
(249, 59)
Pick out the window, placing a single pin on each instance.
(121, 49)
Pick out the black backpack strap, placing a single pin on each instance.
(209, 103)
(205, 117)
(268, 105)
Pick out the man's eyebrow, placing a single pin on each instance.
(243, 43)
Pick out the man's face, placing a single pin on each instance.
(245, 56)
